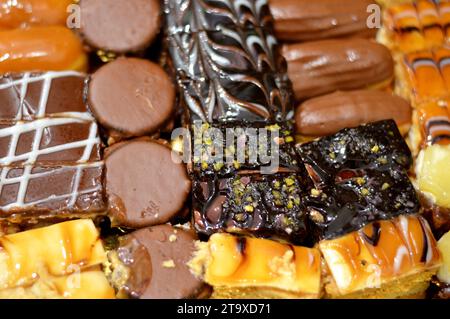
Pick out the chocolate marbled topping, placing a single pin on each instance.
(209, 15)
(360, 177)
(233, 74)
(259, 205)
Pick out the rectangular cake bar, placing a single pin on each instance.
(50, 149)
(230, 148)
(262, 205)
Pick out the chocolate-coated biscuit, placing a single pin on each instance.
(157, 260)
(131, 97)
(144, 184)
(120, 26)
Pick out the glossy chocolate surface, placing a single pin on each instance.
(50, 150)
(214, 15)
(227, 149)
(261, 205)
(360, 177)
(228, 71)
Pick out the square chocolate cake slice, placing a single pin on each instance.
(360, 176)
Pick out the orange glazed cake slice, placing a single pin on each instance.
(59, 261)
(386, 259)
(244, 267)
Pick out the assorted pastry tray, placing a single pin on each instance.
(224, 149)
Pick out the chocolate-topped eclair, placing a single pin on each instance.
(360, 177)
(330, 113)
(50, 149)
(305, 20)
(119, 26)
(320, 67)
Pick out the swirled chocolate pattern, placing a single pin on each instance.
(236, 73)
(209, 15)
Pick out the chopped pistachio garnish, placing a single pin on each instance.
(276, 184)
(273, 128)
(360, 180)
(332, 155)
(218, 166)
(315, 192)
(365, 191)
(249, 208)
(236, 164)
(375, 149)
(290, 205)
(385, 186)
(382, 160)
(289, 139)
(289, 181)
(204, 165)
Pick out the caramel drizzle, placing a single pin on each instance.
(375, 238)
(419, 15)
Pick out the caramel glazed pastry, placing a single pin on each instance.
(424, 80)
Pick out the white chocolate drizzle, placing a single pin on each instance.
(42, 122)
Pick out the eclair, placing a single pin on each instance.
(304, 20)
(321, 67)
(22, 13)
(41, 48)
(414, 26)
(330, 113)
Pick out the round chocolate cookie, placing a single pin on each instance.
(157, 258)
(131, 97)
(120, 25)
(144, 184)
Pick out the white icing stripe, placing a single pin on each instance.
(39, 126)
(27, 177)
(28, 78)
(402, 252)
(85, 157)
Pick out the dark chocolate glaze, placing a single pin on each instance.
(360, 177)
(211, 148)
(260, 205)
(376, 233)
